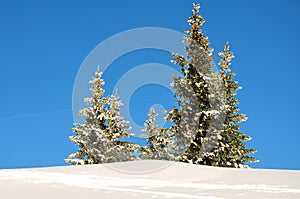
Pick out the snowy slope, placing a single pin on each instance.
(170, 180)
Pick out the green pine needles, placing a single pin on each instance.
(205, 123)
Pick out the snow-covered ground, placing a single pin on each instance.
(150, 179)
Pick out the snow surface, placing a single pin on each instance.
(148, 179)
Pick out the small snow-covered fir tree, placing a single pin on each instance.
(158, 140)
(99, 137)
(231, 151)
(117, 130)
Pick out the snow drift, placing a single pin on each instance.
(148, 179)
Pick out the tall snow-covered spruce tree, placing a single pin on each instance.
(100, 136)
(231, 150)
(191, 118)
(206, 117)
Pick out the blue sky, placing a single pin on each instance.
(43, 45)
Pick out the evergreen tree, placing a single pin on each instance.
(99, 137)
(186, 140)
(193, 131)
(231, 150)
(205, 123)
(158, 140)
(117, 130)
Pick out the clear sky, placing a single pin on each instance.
(43, 44)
